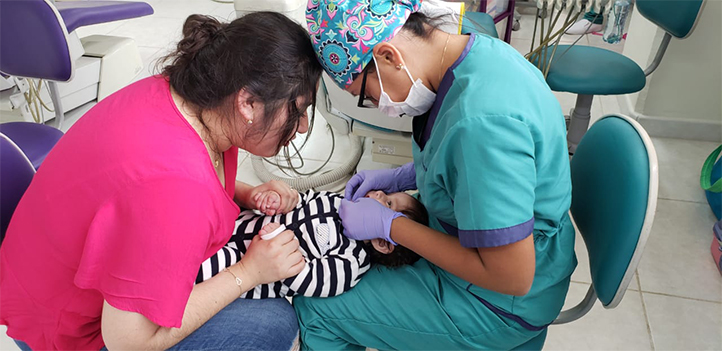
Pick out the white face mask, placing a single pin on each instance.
(418, 102)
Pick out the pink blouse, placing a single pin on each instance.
(124, 209)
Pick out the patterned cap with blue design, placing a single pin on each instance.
(343, 32)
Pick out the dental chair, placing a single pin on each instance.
(38, 38)
(16, 172)
(34, 140)
(614, 198)
(588, 71)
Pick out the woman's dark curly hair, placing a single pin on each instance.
(265, 53)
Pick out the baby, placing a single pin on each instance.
(334, 263)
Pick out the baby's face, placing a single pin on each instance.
(396, 201)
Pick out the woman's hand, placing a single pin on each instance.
(389, 180)
(366, 219)
(288, 196)
(275, 259)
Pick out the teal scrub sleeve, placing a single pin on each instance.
(491, 177)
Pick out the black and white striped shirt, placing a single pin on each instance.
(334, 263)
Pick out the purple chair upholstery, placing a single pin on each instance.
(84, 13)
(33, 41)
(35, 140)
(34, 36)
(33, 33)
(16, 172)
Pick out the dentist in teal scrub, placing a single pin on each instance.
(491, 167)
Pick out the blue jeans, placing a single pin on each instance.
(268, 324)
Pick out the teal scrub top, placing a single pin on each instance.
(492, 168)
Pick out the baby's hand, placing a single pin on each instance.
(268, 228)
(272, 230)
(268, 202)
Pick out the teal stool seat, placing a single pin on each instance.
(588, 70)
(478, 22)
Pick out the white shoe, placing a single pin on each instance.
(583, 26)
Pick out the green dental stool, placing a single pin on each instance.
(478, 22)
(614, 198)
(588, 71)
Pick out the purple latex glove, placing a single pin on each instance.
(367, 219)
(388, 180)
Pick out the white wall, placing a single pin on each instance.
(685, 92)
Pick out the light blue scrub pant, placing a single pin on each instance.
(415, 307)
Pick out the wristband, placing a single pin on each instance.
(239, 281)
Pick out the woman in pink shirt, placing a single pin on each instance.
(104, 247)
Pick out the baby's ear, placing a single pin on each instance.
(383, 246)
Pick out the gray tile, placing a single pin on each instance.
(526, 28)
(73, 116)
(680, 162)
(225, 12)
(151, 31)
(521, 45)
(181, 9)
(682, 324)
(623, 328)
(150, 57)
(101, 29)
(677, 259)
(568, 100)
(609, 103)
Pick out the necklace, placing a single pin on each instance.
(443, 55)
(216, 158)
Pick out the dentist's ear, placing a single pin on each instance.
(383, 246)
(245, 105)
(387, 54)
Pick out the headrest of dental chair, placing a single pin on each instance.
(33, 41)
(34, 33)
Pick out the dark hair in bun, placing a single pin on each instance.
(265, 53)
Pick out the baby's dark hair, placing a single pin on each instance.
(401, 255)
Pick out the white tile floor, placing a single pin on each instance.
(675, 300)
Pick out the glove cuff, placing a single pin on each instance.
(405, 177)
(388, 237)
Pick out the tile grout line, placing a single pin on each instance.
(686, 201)
(644, 310)
(681, 297)
(639, 289)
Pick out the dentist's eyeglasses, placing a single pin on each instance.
(363, 100)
